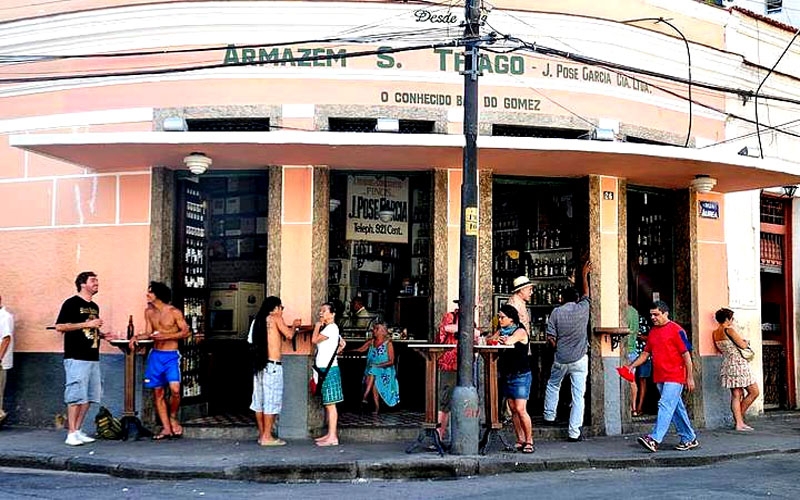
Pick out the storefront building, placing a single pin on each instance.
(312, 150)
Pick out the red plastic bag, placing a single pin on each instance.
(626, 373)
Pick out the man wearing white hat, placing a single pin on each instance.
(521, 295)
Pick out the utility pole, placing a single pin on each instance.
(464, 409)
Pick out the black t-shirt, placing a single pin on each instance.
(83, 344)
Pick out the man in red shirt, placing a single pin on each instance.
(448, 364)
(671, 352)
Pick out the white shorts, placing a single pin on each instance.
(268, 390)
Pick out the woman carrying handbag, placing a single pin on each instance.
(735, 373)
(329, 343)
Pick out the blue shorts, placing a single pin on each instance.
(646, 369)
(163, 367)
(517, 386)
(83, 383)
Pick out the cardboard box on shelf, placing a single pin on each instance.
(233, 204)
(261, 225)
(233, 227)
(247, 225)
(218, 206)
(247, 203)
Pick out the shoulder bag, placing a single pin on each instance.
(746, 353)
(318, 376)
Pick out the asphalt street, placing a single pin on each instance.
(774, 476)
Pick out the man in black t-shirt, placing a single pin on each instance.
(79, 321)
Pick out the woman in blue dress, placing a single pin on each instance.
(380, 377)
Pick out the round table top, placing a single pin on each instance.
(451, 346)
(126, 341)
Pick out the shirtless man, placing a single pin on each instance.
(165, 325)
(269, 330)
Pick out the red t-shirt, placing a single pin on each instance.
(448, 361)
(666, 345)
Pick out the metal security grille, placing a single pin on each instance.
(228, 124)
(772, 251)
(366, 125)
(774, 6)
(543, 132)
(642, 140)
(772, 211)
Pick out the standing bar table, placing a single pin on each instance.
(131, 425)
(430, 426)
(491, 399)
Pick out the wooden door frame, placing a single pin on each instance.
(788, 289)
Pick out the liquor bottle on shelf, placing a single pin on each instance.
(131, 330)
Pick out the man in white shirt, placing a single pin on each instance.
(6, 352)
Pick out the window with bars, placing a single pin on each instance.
(227, 124)
(774, 6)
(772, 211)
(366, 125)
(543, 132)
(772, 250)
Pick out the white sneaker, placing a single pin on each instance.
(83, 437)
(73, 439)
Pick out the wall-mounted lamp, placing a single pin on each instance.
(750, 151)
(334, 204)
(387, 125)
(788, 191)
(603, 134)
(175, 124)
(197, 163)
(703, 183)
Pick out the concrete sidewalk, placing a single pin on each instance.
(303, 461)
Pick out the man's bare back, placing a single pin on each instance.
(276, 329)
(165, 325)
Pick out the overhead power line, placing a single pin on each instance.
(755, 103)
(272, 62)
(159, 52)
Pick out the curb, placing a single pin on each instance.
(300, 472)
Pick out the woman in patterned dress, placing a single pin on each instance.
(380, 377)
(735, 371)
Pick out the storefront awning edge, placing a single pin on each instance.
(641, 164)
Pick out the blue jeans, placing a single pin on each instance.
(577, 376)
(672, 410)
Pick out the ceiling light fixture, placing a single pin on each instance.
(788, 191)
(197, 163)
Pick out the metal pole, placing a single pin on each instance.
(464, 409)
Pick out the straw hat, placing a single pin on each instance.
(520, 283)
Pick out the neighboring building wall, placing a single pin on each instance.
(57, 220)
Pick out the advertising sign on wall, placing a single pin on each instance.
(367, 196)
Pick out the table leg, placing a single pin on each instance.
(430, 427)
(492, 426)
(132, 427)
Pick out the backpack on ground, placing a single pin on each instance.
(108, 427)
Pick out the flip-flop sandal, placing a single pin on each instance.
(274, 442)
(519, 446)
(162, 437)
(528, 448)
(328, 443)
